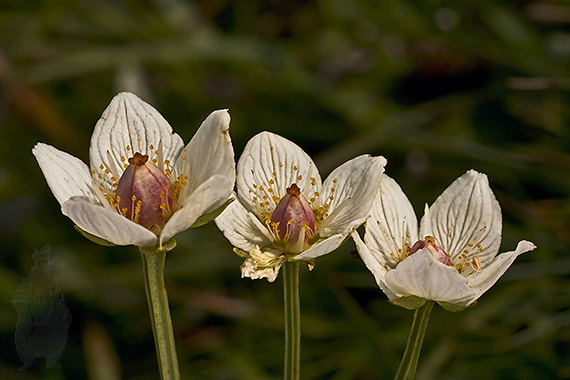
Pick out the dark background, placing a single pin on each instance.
(436, 87)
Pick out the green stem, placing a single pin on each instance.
(409, 363)
(153, 266)
(292, 321)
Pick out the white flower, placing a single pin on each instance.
(284, 212)
(143, 186)
(455, 261)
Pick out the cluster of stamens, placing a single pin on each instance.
(266, 197)
(108, 179)
(465, 263)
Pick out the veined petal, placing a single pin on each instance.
(466, 217)
(106, 224)
(322, 248)
(370, 258)
(209, 153)
(270, 164)
(242, 228)
(492, 272)
(392, 227)
(213, 193)
(357, 181)
(66, 176)
(127, 126)
(423, 276)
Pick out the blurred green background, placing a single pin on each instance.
(436, 87)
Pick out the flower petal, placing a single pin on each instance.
(66, 176)
(490, 274)
(423, 276)
(268, 166)
(371, 261)
(352, 186)
(466, 217)
(106, 224)
(242, 228)
(209, 153)
(321, 248)
(127, 126)
(213, 193)
(392, 227)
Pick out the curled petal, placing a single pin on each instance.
(242, 228)
(209, 196)
(466, 216)
(321, 248)
(352, 186)
(130, 125)
(67, 176)
(274, 163)
(489, 276)
(209, 153)
(373, 261)
(392, 227)
(106, 224)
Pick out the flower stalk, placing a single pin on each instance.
(153, 267)
(409, 363)
(292, 321)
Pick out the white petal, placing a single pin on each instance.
(466, 216)
(106, 224)
(209, 153)
(321, 248)
(357, 181)
(129, 122)
(490, 274)
(373, 265)
(423, 276)
(212, 194)
(392, 227)
(242, 228)
(66, 176)
(272, 162)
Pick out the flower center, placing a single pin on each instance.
(144, 193)
(148, 189)
(293, 221)
(462, 264)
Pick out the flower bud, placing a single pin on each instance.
(294, 220)
(144, 193)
